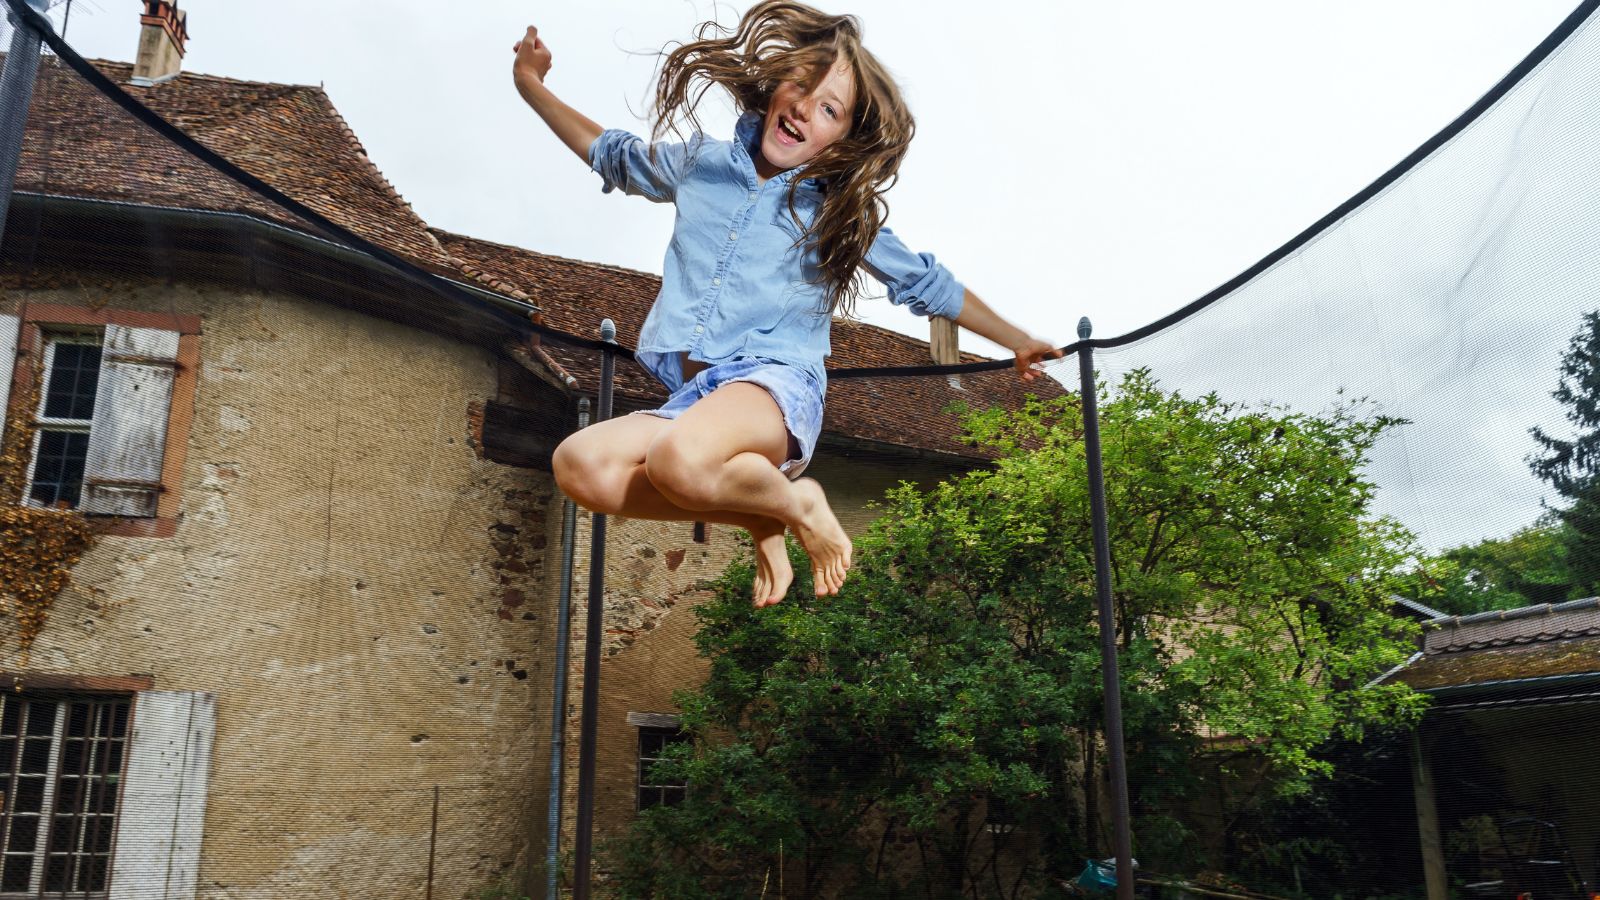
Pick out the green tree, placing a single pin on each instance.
(1572, 466)
(855, 742)
(1526, 568)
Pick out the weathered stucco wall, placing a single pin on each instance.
(352, 582)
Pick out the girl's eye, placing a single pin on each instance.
(829, 110)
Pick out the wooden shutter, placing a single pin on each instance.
(9, 328)
(122, 473)
(162, 810)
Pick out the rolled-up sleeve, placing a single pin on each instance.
(914, 280)
(623, 160)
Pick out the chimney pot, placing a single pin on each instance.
(163, 36)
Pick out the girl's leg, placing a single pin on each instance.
(723, 454)
(602, 469)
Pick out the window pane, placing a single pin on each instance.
(41, 718)
(64, 835)
(102, 797)
(35, 756)
(70, 390)
(24, 834)
(99, 834)
(14, 876)
(78, 720)
(56, 873)
(8, 719)
(72, 759)
(92, 874)
(58, 473)
(8, 754)
(30, 795)
(67, 795)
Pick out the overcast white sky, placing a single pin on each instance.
(1108, 159)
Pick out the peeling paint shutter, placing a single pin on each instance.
(9, 326)
(163, 803)
(122, 473)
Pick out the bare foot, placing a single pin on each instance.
(773, 572)
(823, 537)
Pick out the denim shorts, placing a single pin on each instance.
(796, 392)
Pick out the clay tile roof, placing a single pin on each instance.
(79, 143)
(1505, 646)
(1546, 659)
(908, 412)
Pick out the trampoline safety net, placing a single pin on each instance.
(291, 605)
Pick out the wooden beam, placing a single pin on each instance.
(48, 681)
(1433, 871)
(519, 436)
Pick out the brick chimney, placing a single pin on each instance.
(163, 31)
(943, 342)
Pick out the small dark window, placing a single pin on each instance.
(655, 791)
(999, 817)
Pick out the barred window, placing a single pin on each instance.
(61, 766)
(653, 790)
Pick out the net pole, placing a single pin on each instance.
(591, 650)
(558, 703)
(16, 95)
(1122, 837)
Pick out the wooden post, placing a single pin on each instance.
(944, 341)
(1433, 872)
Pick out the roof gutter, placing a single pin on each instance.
(268, 228)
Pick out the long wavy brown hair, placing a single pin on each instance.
(778, 41)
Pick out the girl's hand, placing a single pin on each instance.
(1030, 353)
(533, 57)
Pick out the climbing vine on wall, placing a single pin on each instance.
(38, 547)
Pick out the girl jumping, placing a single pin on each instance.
(772, 230)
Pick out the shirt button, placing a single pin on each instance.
(752, 195)
(698, 329)
(716, 281)
(733, 235)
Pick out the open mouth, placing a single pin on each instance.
(789, 131)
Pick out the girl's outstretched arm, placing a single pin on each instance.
(977, 317)
(575, 129)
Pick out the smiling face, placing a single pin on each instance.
(801, 124)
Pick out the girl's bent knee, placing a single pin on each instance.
(679, 473)
(583, 478)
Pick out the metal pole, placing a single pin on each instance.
(16, 95)
(591, 652)
(1122, 836)
(558, 713)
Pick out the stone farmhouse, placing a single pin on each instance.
(310, 651)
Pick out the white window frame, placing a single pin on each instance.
(52, 339)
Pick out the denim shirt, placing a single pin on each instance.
(734, 283)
